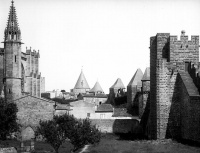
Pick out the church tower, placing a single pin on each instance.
(12, 57)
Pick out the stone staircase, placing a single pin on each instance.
(189, 84)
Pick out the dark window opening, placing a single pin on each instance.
(9, 91)
(15, 58)
(88, 114)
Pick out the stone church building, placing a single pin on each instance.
(19, 71)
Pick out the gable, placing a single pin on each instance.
(32, 109)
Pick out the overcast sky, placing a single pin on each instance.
(108, 38)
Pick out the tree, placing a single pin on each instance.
(66, 127)
(52, 133)
(8, 119)
(84, 133)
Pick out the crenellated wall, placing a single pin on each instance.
(173, 110)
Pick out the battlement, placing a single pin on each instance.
(33, 53)
(183, 38)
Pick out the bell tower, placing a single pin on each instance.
(12, 57)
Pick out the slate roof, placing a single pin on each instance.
(104, 108)
(81, 82)
(118, 84)
(146, 76)
(136, 79)
(96, 88)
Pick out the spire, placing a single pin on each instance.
(12, 31)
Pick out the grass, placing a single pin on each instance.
(111, 143)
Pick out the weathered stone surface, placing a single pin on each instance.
(33, 109)
(174, 94)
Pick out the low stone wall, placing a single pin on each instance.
(116, 125)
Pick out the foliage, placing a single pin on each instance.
(66, 127)
(8, 119)
(53, 134)
(84, 133)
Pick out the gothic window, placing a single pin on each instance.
(23, 76)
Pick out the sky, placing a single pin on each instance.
(108, 39)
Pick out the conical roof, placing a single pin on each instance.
(136, 79)
(81, 82)
(146, 76)
(97, 88)
(118, 84)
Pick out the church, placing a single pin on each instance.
(19, 71)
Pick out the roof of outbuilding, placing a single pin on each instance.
(146, 76)
(81, 82)
(104, 108)
(118, 84)
(136, 79)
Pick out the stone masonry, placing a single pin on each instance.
(169, 58)
(19, 71)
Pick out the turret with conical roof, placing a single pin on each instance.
(81, 84)
(118, 84)
(145, 91)
(133, 87)
(97, 88)
(116, 90)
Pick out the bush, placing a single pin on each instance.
(66, 127)
(8, 119)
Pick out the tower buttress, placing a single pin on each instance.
(12, 57)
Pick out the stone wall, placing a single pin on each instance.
(1, 71)
(172, 110)
(116, 125)
(31, 110)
